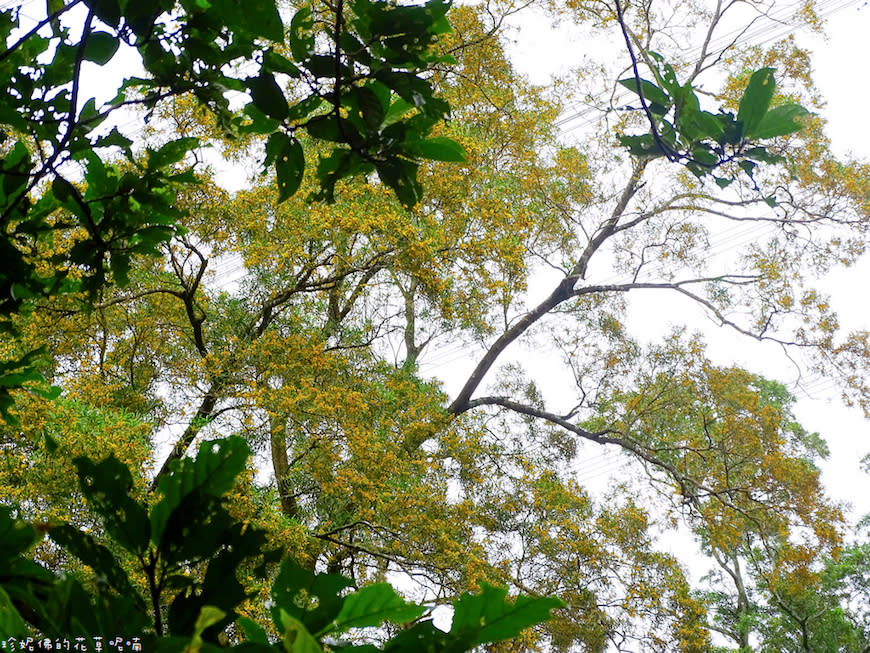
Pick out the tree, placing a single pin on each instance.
(193, 590)
(317, 355)
(369, 99)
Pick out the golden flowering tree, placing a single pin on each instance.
(306, 329)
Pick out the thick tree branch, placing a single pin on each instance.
(562, 292)
(204, 414)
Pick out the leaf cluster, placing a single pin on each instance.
(355, 76)
(704, 141)
(190, 551)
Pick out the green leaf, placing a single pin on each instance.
(397, 111)
(423, 636)
(302, 34)
(115, 139)
(258, 18)
(62, 189)
(253, 631)
(107, 486)
(275, 62)
(707, 125)
(438, 148)
(212, 472)
(107, 11)
(267, 95)
(314, 599)
(304, 107)
(779, 121)
(296, 638)
(325, 128)
(370, 106)
(289, 164)
(90, 116)
(17, 536)
(764, 155)
(259, 123)
(51, 444)
(171, 152)
(641, 145)
(401, 176)
(372, 606)
(756, 100)
(415, 91)
(732, 130)
(703, 156)
(98, 557)
(490, 617)
(321, 65)
(209, 615)
(100, 47)
(11, 623)
(651, 92)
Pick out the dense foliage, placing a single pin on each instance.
(186, 552)
(302, 316)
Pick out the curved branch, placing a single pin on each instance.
(562, 292)
(690, 489)
(48, 19)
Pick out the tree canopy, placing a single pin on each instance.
(304, 316)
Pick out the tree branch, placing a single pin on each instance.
(562, 292)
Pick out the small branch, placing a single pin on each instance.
(47, 20)
(669, 153)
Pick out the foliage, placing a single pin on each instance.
(372, 352)
(190, 551)
(65, 176)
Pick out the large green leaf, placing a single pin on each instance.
(651, 92)
(171, 152)
(17, 537)
(423, 636)
(253, 631)
(372, 606)
(107, 486)
(11, 623)
(297, 639)
(438, 148)
(267, 96)
(258, 18)
(780, 121)
(401, 176)
(325, 128)
(208, 616)
(491, 617)
(98, 557)
(414, 90)
(313, 599)
(289, 159)
(756, 100)
(212, 472)
(108, 11)
(101, 47)
(302, 34)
